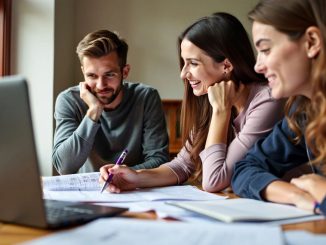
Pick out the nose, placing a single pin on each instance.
(259, 66)
(100, 83)
(184, 74)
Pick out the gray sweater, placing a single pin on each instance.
(137, 124)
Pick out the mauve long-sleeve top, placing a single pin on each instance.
(260, 114)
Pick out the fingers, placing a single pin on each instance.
(113, 189)
(84, 93)
(303, 180)
(298, 183)
(226, 86)
(124, 178)
(104, 172)
(83, 88)
(222, 95)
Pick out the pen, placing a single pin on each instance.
(118, 162)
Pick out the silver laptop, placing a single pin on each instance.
(20, 184)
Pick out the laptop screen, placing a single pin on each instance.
(20, 187)
(20, 183)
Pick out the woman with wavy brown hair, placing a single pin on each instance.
(290, 38)
(226, 108)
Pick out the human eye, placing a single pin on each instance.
(111, 74)
(90, 76)
(264, 48)
(265, 51)
(193, 63)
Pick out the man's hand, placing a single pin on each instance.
(95, 108)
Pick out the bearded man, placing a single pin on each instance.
(106, 114)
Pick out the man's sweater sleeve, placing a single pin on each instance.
(74, 136)
(267, 161)
(155, 136)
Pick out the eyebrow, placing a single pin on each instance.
(191, 59)
(261, 40)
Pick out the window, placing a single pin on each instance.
(5, 26)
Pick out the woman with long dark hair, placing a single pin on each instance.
(226, 108)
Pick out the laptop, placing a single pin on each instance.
(20, 183)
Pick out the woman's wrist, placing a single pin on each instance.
(226, 111)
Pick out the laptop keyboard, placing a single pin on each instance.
(61, 213)
(54, 213)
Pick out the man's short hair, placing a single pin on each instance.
(100, 43)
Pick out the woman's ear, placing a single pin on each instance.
(313, 41)
(228, 67)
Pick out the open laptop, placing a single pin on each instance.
(20, 183)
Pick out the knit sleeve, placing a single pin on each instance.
(256, 121)
(182, 166)
(74, 135)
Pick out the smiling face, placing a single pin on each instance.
(199, 69)
(284, 62)
(104, 77)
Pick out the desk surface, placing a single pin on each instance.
(12, 234)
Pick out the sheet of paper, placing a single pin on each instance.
(304, 238)
(160, 207)
(183, 192)
(295, 220)
(72, 182)
(164, 210)
(130, 231)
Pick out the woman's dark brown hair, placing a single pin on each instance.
(220, 36)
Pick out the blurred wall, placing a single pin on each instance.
(46, 32)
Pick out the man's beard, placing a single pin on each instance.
(108, 100)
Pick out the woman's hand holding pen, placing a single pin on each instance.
(124, 178)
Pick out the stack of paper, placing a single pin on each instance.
(85, 188)
(131, 231)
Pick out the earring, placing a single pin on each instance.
(310, 55)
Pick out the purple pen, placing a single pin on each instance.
(118, 162)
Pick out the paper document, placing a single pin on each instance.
(304, 238)
(72, 182)
(117, 231)
(242, 209)
(183, 192)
